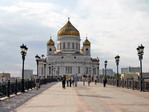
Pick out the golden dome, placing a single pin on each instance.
(86, 42)
(50, 42)
(68, 29)
(82, 49)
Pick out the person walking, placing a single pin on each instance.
(70, 81)
(76, 80)
(104, 82)
(37, 83)
(63, 81)
(95, 79)
(67, 80)
(84, 78)
(89, 80)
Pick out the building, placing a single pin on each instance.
(108, 71)
(135, 76)
(4, 77)
(130, 69)
(28, 73)
(68, 58)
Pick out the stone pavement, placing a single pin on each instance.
(94, 98)
(9, 104)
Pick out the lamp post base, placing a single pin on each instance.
(22, 86)
(141, 85)
(117, 82)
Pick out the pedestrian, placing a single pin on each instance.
(63, 81)
(84, 78)
(104, 82)
(70, 81)
(67, 80)
(37, 83)
(89, 80)
(76, 80)
(95, 79)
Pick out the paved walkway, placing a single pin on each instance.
(9, 104)
(87, 99)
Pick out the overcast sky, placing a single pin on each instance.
(112, 26)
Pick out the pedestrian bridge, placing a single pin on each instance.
(94, 98)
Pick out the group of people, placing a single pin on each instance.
(69, 80)
(73, 80)
(89, 79)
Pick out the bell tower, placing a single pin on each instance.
(86, 48)
(50, 47)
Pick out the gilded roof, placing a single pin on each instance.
(50, 42)
(68, 29)
(86, 42)
(82, 49)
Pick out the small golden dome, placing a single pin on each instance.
(68, 29)
(54, 48)
(86, 42)
(50, 42)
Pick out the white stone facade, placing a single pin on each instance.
(68, 59)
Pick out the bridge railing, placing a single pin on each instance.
(129, 83)
(14, 87)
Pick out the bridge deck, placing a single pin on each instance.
(94, 98)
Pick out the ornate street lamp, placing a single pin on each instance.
(117, 59)
(54, 71)
(42, 56)
(23, 53)
(105, 62)
(37, 61)
(42, 72)
(92, 78)
(140, 50)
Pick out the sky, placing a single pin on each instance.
(114, 27)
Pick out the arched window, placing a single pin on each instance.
(50, 49)
(60, 45)
(68, 45)
(72, 45)
(63, 45)
(76, 46)
(87, 51)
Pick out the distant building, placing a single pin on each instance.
(13, 79)
(130, 70)
(135, 76)
(108, 71)
(28, 73)
(4, 77)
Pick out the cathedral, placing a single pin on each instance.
(68, 57)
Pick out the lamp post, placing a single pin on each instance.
(42, 65)
(140, 50)
(93, 71)
(23, 53)
(117, 59)
(37, 61)
(54, 71)
(105, 62)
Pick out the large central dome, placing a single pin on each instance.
(68, 29)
